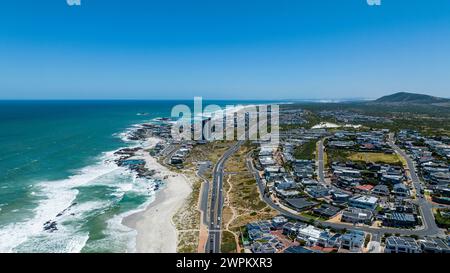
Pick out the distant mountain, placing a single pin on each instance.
(404, 98)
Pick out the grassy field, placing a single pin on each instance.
(376, 158)
(237, 162)
(228, 244)
(306, 151)
(336, 155)
(245, 193)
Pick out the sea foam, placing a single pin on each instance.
(57, 204)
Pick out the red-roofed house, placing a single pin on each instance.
(364, 188)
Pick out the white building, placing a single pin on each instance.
(364, 202)
(309, 234)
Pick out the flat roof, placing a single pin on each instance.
(300, 203)
(366, 199)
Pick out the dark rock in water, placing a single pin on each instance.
(50, 226)
(67, 209)
(146, 173)
(139, 134)
(127, 150)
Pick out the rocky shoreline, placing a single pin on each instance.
(131, 158)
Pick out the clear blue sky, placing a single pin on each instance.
(234, 49)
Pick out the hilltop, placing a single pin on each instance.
(405, 98)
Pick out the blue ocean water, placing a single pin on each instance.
(54, 167)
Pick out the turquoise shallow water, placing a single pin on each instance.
(52, 167)
(51, 154)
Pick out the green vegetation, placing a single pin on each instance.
(211, 151)
(312, 119)
(427, 119)
(405, 97)
(441, 220)
(310, 116)
(188, 241)
(336, 155)
(242, 198)
(376, 158)
(363, 158)
(228, 244)
(312, 216)
(367, 240)
(247, 195)
(306, 151)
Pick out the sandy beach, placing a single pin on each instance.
(156, 232)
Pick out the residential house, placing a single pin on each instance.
(357, 216)
(398, 219)
(292, 228)
(364, 189)
(363, 202)
(326, 210)
(400, 190)
(434, 245)
(300, 203)
(311, 235)
(353, 240)
(279, 221)
(318, 191)
(263, 247)
(381, 190)
(396, 244)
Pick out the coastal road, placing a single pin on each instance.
(427, 230)
(215, 218)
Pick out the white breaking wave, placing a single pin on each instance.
(57, 204)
